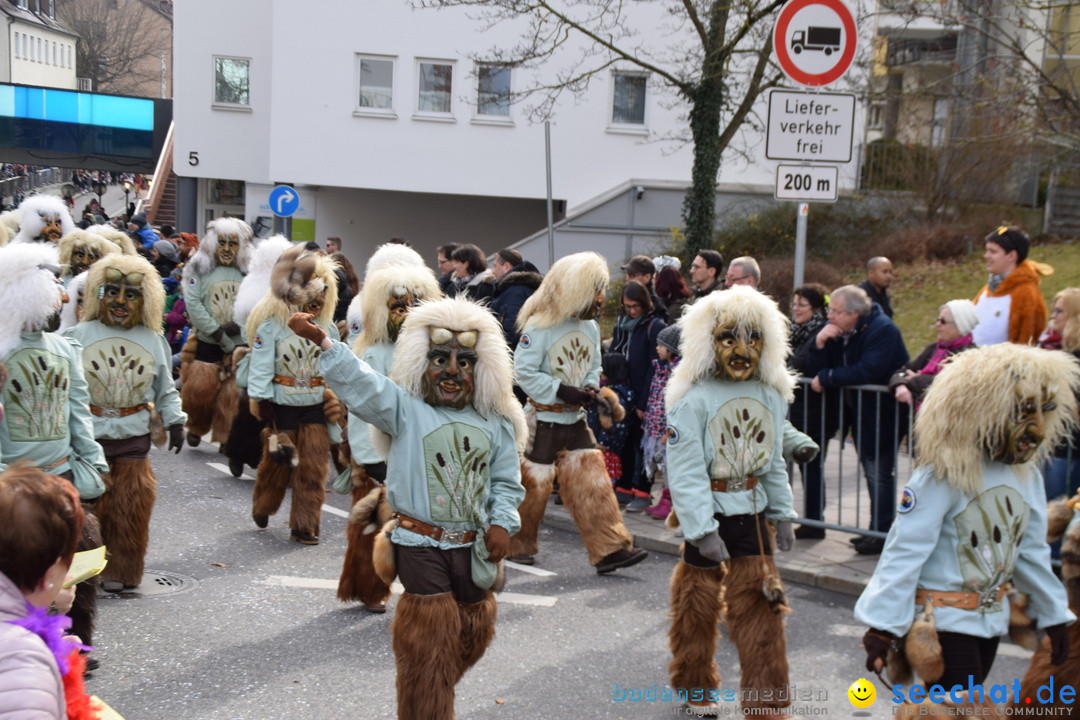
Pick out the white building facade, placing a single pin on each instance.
(37, 49)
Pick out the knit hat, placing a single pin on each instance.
(964, 315)
(669, 338)
(663, 261)
(167, 250)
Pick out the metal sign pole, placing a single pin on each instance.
(550, 212)
(800, 244)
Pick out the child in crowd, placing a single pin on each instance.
(654, 426)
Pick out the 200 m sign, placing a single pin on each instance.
(806, 182)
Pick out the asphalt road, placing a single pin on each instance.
(239, 623)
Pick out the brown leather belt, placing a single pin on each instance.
(556, 408)
(56, 464)
(111, 412)
(958, 600)
(734, 485)
(294, 382)
(454, 537)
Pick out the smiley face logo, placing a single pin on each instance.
(861, 693)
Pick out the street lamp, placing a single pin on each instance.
(127, 190)
(99, 189)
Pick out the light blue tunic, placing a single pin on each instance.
(945, 539)
(452, 468)
(567, 353)
(277, 350)
(209, 301)
(380, 357)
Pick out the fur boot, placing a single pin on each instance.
(426, 634)
(585, 489)
(244, 444)
(697, 604)
(359, 580)
(309, 480)
(537, 480)
(124, 511)
(271, 480)
(1040, 670)
(757, 630)
(477, 630)
(224, 406)
(198, 395)
(83, 612)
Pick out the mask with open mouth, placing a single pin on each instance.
(227, 250)
(450, 376)
(1025, 431)
(82, 257)
(52, 230)
(121, 299)
(398, 305)
(738, 352)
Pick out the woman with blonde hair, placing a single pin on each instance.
(1061, 473)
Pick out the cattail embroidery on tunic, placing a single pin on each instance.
(36, 397)
(118, 372)
(457, 458)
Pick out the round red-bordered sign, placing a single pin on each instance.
(843, 57)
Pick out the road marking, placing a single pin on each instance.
(529, 569)
(335, 511)
(1014, 651)
(321, 584)
(301, 582)
(505, 597)
(856, 631)
(222, 467)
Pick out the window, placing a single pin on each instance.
(435, 85)
(23, 4)
(232, 81)
(376, 84)
(16, 46)
(54, 53)
(493, 90)
(628, 106)
(875, 116)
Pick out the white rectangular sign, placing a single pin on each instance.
(813, 127)
(807, 182)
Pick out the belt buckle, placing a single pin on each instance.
(302, 383)
(454, 537)
(736, 485)
(110, 412)
(988, 600)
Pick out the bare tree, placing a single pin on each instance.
(118, 39)
(714, 60)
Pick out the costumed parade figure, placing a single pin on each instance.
(972, 517)
(128, 370)
(43, 218)
(557, 364)
(120, 239)
(244, 444)
(287, 391)
(210, 283)
(727, 403)
(79, 250)
(389, 293)
(454, 430)
(47, 420)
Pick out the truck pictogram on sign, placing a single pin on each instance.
(825, 39)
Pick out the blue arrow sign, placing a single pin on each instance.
(284, 201)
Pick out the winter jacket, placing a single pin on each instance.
(176, 320)
(881, 298)
(869, 355)
(1015, 311)
(639, 348)
(480, 286)
(510, 294)
(919, 383)
(30, 685)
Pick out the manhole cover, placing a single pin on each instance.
(155, 583)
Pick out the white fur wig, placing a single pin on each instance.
(205, 258)
(118, 238)
(257, 281)
(29, 291)
(81, 238)
(741, 307)
(568, 289)
(395, 280)
(354, 318)
(971, 404)
(10, 220)
(75, 287)
(32, 212)
(153, 307)
(494, 366)
(392, 254)
(301, 275)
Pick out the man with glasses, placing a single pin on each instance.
(705, 272)
(743, 271)
(860, 346)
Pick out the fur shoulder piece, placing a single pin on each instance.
(153, 307)
(29, 292)
(81, 238)
(390, 281)
(121, 239)
(205, 258)
(741, 307)
(392, 254)
(567, 290)
(970, 406)
(32, 214)
(257, 281)
(494, 366)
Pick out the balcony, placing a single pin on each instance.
(908, 51)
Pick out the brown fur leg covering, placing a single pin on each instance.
(198, 396)
(477, 630)
(697, 604)
(757, 631)
(1070, 565)
(426, 633)
(224, 410)
(83, 612)
(271, 479)
(244, 442)
(187, 356)
(1040, 670)
(358, 579)
(124, 511)
(585, 488)
(309, 478)
(537, 480)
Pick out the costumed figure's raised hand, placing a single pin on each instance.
(497, 541)
(785, 535)
(877, 643)
(1059, 643)
(303, 325)
(712, 547)
(176, 437)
